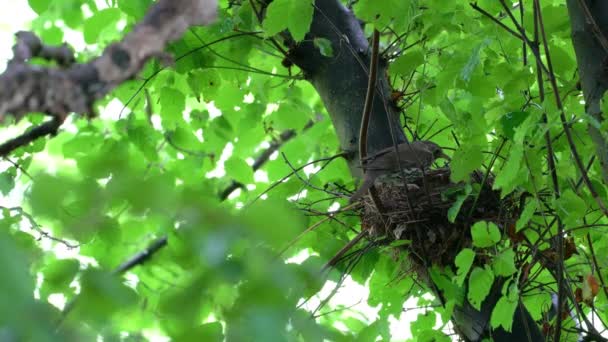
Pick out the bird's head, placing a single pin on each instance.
(435, 150)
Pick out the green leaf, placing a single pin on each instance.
(526, 214)
(102, 294)
(455, 208)
(465, 160)
(7, 182)
(485, 234)
(39, 6)
(503, 264)
(536, 304)
(295, 15)
(511, 174)
(239, 170)
(464, 261)
(383, 12)
(59, 274)
(300, 17)
(206, 82)
(52, 36)
(503, 313)
(204, 332)
(474, 60)
(480, 284)
(276, 15)
(285, 222)
(134, 8)
(172, 104)
(290, 115)
(101, 20)
(404, 65)
(571, 208)
(324, 46)
(510, 121)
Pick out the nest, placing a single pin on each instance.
(419, 215)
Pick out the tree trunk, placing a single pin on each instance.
(589, 22)
(341, 80)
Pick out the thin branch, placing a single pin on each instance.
(60, 91)
(141, 257)
(275, 184)
(48, 128)
(264, 157)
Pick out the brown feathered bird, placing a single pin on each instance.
(417, 154)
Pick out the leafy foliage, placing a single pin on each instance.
(164, 146)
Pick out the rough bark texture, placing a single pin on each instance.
(70, 88)
(589, 22)
(341, 80)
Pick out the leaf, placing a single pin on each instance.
(7, 182)
(464, 261)
(464, 161)
(39, 6)
(238, 169)
(98, 22)
(485, 234)
(455, 208)
(480, 284)
(276, 221)
(526, 214)
(570, 208)
(536, 304)
(206, 82)
(172, 104)
(59, 274)
(591, 288)
(290, 115)
(324, 46)
(474, 60)
(276, 13)
(383, 12)
(503, 312)
(404, 65)
(204, 332)
(134, 8)
(509, 177)
(300, 17)
(503, 264)
(295, 15)
(510, 121)
(102, 294)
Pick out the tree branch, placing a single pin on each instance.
(60, 91)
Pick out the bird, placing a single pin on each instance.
(417, 154)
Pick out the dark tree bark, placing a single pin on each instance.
(341, 80)
(589, 22)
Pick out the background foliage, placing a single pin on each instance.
(78, 205)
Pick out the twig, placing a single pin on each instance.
(264, 157)
(334, 260)
(311, 228)
(48, 128)
(275, 184)
(141, 257)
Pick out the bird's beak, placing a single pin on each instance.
(445, 156)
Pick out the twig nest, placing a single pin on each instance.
(417, 212)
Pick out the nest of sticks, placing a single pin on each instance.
(418, 215)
